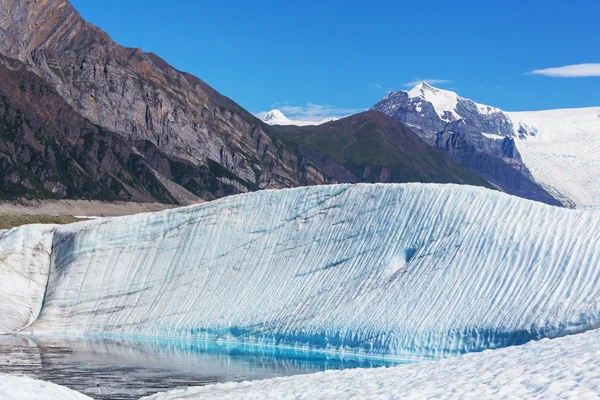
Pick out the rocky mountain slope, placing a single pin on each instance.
(130, 126)
(47, 150)
(480, 137)
(140, 97)
(372, 147)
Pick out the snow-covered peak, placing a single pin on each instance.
(446, 101)
(443, 101)
(276, 117)
(420, 90)
(556, 149)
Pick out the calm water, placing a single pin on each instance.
(126, 369)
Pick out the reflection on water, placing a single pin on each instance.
(128, 369)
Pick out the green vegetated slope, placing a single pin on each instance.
(376, 148)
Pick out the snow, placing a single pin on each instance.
(24, 270)
(564, 154)
(483, 109)
(443, 101)
(24, 388)
(563, 368)
(407, 271)
(492, 136)
(276, 117)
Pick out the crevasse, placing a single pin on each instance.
(407, 270)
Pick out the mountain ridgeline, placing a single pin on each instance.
(481, 138)
(83, 117)
(371, 147)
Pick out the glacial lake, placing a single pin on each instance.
(129, 369)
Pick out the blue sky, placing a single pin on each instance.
(338, 57)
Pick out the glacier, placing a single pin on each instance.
(562, 155)
(14, 387)
(562, 368)
(403, 270)
(24, 272)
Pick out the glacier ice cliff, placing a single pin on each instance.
(24, 270)
(407, 270)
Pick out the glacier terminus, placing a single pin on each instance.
(412, 271)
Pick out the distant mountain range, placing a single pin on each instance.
(276, 117)
(83, 117)
(550, 156)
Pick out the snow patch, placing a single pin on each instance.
(276, 117)
(24, 388)
(493, 136)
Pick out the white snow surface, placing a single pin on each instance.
(564, 155)
(276, 117)
(24, 270)
(563, 368)
(410, 270)
(24, 388)
(443, 101)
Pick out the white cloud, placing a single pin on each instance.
(374, 86)
(311, 112)
(570, 71)
(432, 81)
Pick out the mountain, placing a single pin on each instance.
(480, 137)
(141, 98)
(372, 147)
(276, 117)
(47, 150)
(135, 128)
(396, 270)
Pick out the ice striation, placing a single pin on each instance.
(410, 270)
(24, 270)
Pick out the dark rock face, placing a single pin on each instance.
(328, 165)
(47, 150)
(472, 134)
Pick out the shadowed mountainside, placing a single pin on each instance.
(372, 147)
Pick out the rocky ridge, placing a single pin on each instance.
(480, 137)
